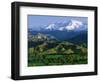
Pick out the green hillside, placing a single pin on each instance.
(57, 53)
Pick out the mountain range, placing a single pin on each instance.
(73, 31)
(72, 25)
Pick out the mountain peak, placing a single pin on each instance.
(50, 27)
(74, 24)
(68, 26)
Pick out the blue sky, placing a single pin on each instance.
(37, 21)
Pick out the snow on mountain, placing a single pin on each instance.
(74, 24)
(65, 26)
(51, 27)
(61, 28)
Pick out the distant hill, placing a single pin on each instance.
(81, 38)
(41, 37)
(59, 35)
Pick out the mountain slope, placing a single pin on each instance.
(69, 26)
(59, 35)
(81, 38)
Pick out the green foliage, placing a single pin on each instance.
(57, 53)
(31, 51)
(69, 51)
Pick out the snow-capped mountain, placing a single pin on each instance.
(60, 31)
(69, 26)
(51, 27)
(73, 25)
